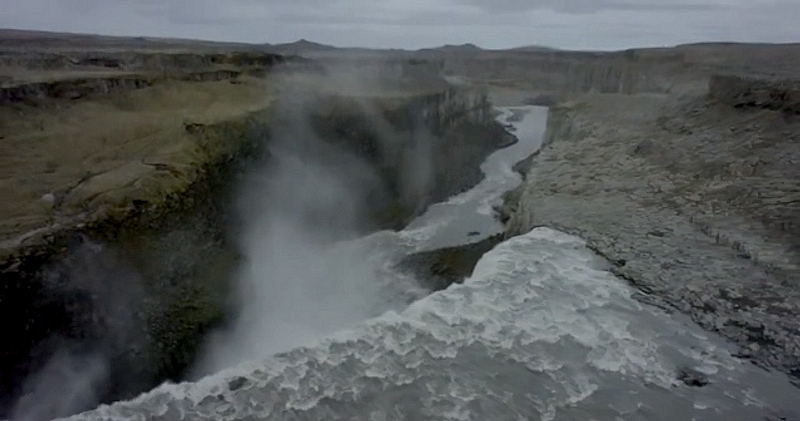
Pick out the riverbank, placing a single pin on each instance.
(693, 198)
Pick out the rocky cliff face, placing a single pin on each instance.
(564, 74)
(752, 92)
(659, 70)
(72, 89)
(691, 199)
(136, 265)
(133, 273)
(425, 147)
(138, 61)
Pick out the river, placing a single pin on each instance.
(541, 330)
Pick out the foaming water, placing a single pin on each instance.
(538, 332)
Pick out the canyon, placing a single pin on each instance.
(122, 157)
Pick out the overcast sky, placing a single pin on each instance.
(573, 24)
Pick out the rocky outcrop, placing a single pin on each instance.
(691, 200)
(438, 269)
(740, 92)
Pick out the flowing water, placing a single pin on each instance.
(451, 223)
(539, 331)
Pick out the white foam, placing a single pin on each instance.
(415, 237)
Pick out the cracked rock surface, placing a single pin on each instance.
(695, 202)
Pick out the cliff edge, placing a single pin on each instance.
(694, 199)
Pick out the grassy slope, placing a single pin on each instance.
(107, 148)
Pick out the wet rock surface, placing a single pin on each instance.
(691, 199)
(692, 378)
(438, 269)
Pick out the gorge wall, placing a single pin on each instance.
(112, 291)
(426, 148)
(532, 72)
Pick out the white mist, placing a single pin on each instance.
(302, 279)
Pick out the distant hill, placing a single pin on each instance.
(20, 39)
(450, 48)
(532, 49)
(300, 47)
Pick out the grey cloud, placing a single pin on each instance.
(574, 24)
(410, 20)
(593, 6)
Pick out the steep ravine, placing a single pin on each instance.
(123, 299)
